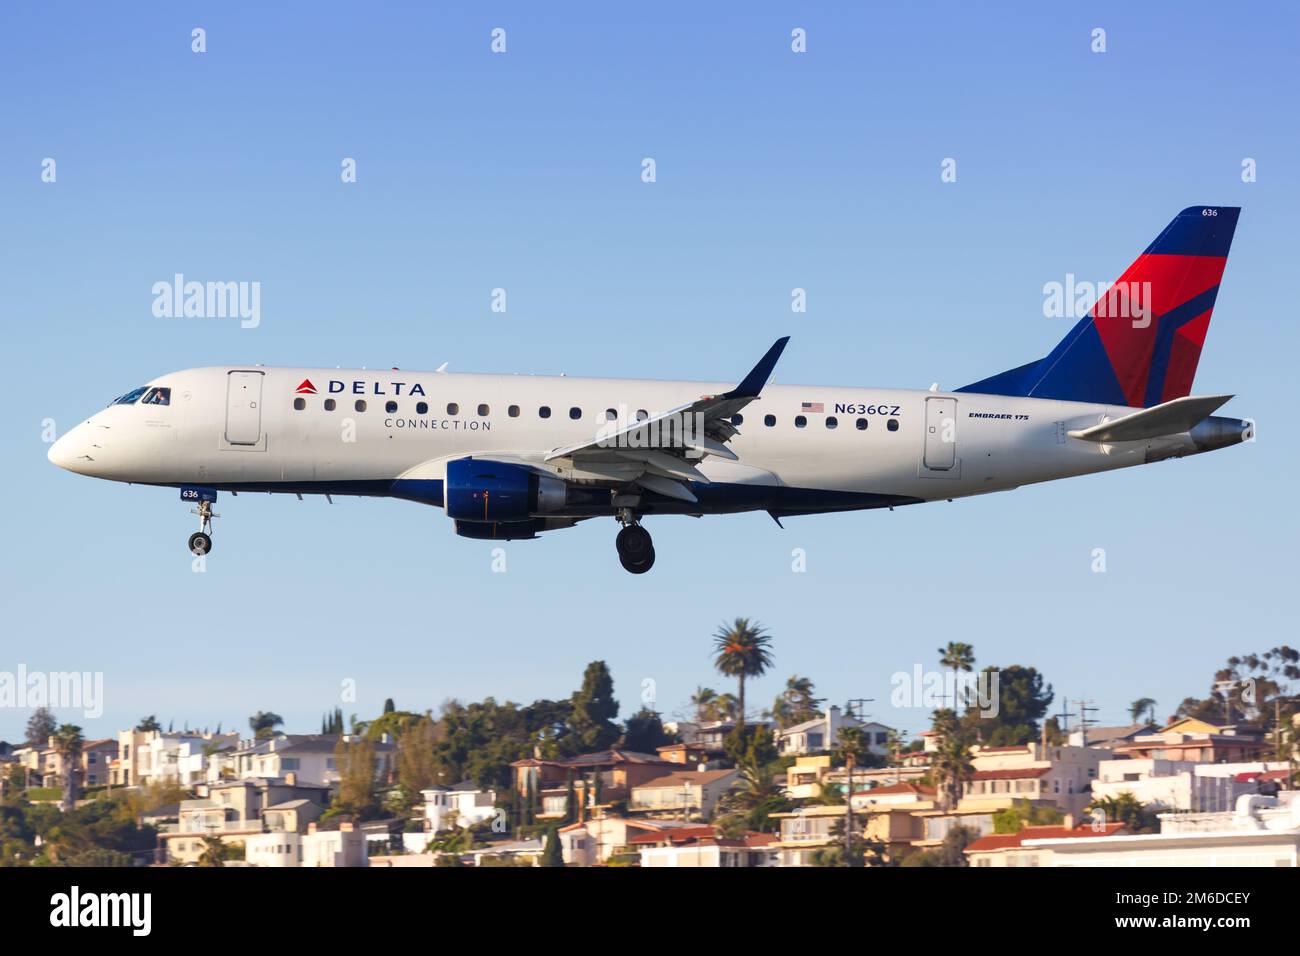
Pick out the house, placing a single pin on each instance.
(462, 804)
(236, 809)
(685, 793)
(1259, 831)
(344, 845)
(1199, 742)
(1010, 849)
(598, 779)
(889, 814)
(593, 841)
(1182, 785)
(704, 846)
(155, 757)
(823, 733)
(92, 766)
(311, 757)
(1108, 738)
(516, 853)
(696, 755)
(1058, 777)
(804, 778)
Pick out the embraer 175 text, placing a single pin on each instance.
(510, 456)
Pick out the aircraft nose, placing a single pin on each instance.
(72, 452)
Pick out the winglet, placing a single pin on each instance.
(760, 373)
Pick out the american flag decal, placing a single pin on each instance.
(812, 407)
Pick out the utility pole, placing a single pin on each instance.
(848, 814)
(1084, 719)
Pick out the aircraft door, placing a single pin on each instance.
(940, 433)
(244, 408)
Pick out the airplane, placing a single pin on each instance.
(509, 457)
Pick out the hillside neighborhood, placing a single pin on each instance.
(798, 784)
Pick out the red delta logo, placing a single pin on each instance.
(306, 388)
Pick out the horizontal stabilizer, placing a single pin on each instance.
(1171, 418)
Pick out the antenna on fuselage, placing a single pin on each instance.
(441, 369)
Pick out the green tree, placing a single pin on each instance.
(357, 794)
(742, 650)
(704, 702)
(951, 852)
(552, 854)
(1023, 814)
(594, 710)
(644, 733)
(214, 852)
(148, 724)
(416, 769)
(957, 657)
(1023, 700)
(40, 727)
(389, 706)
(797, 703)
(1128, 810)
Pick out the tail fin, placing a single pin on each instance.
(1140, 342)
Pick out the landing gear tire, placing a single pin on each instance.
(200, 543)
(635, 549)
(638, 566)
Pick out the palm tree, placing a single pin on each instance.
(724, 707)
(263, 723)
(704, 700)
(951, 764)
(796, 704)
(960, 657)
(214, 852)
(741, 650)
(1143, 705)
(68, 742)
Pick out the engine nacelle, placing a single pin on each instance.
(485, 491)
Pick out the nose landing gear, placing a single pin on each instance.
(636, 550)
(200, 542)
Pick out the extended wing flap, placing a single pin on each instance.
(1171, 418)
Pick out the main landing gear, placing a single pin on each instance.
(200, 542)
(636, 552)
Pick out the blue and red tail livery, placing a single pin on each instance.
(1139, 344)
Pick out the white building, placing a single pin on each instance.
(460, 805)
(1261, 831)
(1182, 785)
(823, 733)
(345, 846)
(310, 757)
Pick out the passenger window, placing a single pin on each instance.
(892, 425)
(611, 415)
(299, 404)
(737, 419)
(544, 412)
(513, 411)
(575, 413)
(330, 404)
(800, 421)
(862, 424)
(832, 421)
(483, 411)
(769, 420)
(453, 408)
(390, 407)
(360, 405)
(421, 408)
(642, 414)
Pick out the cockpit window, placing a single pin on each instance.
(131, 397)
(157, 396)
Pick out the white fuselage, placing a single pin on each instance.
(248, 428)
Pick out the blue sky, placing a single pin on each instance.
(522, 171)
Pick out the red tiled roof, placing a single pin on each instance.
(1251, 776)
(1003, 841)
(1019, 773)
(676, 835)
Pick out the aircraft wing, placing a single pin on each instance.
(1171, 418)
(659, 452)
